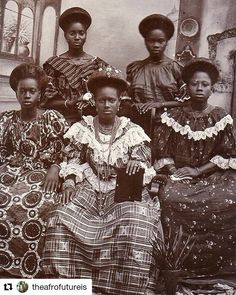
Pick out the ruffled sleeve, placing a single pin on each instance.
(75, 151)
(140, 150)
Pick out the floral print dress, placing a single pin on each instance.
(206, 206)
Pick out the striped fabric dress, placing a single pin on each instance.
(68, 79)
(108, 242)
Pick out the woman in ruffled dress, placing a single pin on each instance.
(30, 152)
(67, 91)
(155, 82)
(94, 236)
(196, 144)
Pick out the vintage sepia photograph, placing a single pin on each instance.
(118, 146)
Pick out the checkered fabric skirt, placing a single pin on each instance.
(113, 249)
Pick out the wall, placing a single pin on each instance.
(114, 34)
(217, 16)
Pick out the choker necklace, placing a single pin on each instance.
(105, 130)
(111, 130)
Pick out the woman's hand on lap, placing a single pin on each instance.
(186, 172)
(51, 181)
(67, 195)
(133, 166)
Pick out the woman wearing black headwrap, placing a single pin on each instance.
(67, 91)
(197, 145)
(31, 144)
(156, 80)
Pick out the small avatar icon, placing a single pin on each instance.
(22, 287)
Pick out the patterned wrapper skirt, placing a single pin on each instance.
(207, 209)
(113, 249)
(24, 209)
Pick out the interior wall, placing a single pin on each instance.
(217, 17)
(114, 35)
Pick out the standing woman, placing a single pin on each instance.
(67, 91)
(155, 82)
(197, 145)
(30, 151)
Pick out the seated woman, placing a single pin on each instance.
(196, 144)
(30, 151)
(67, 91)
(95, 236)
(155, 82)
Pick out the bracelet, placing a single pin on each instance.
(172, 169)
(65, 103)
(163, 106)
(68, 183)
(198, 171)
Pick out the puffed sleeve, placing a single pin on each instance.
(55, 128)
(163, 146)
(129, 72)
(225, 157)
(177, 72)
(139, 149)
(52, 90)
(131, 69)
(181, 94)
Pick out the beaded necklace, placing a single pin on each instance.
(103, 168)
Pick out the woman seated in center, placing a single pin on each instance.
(95, 236)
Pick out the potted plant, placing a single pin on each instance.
(169, 255)
(24, 38)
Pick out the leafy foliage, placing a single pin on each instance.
(171, 252)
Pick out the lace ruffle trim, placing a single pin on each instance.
(162, 163)
(224, 163)
(196, 135)
(84, 171)
(81, 134)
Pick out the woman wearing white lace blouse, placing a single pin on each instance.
(94, 236)
(197, 146)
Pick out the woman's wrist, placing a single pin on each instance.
(171, 169)
(56, 165)
(68, 183)
(198, 171)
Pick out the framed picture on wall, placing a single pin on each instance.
(222, 51)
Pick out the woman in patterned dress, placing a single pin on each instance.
(30, 151)
(94, 236)
(67, 91)
(155, 82)
(196, 144)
